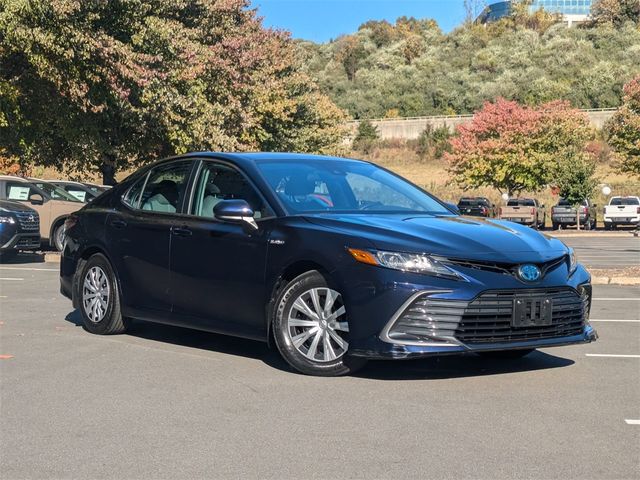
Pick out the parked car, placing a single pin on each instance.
(81, 191)
(564, 215)
(622, 211)
(53, 205)
(241, 244)
(476, 207)
(526, 211)
(19, 228)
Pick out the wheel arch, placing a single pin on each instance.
(83, 257)
(54, 225)
(288, 273)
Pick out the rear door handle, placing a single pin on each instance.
(181, 232)
(118, 223)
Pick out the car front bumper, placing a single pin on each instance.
(374, 305)
(391, 351)
(22, 241)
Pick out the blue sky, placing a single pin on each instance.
(322, 20)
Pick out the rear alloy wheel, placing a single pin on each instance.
(99, 298)
(507, 354)
(58, 237)
(310, 327)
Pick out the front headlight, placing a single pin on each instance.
(573, 261)
(4, 219)
(406, 262)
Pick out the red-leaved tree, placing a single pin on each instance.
(512, 147)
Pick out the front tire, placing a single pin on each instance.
(99, 298)
(311, 328)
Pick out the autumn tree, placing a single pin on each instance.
(512, 147)
(615, 12)
(350, 54)
(110, 84)
(623, 130)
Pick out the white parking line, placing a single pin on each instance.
(11, 279)
(610, 355)
(620, 299)
(613, 320)
(632, 422)
(31, 269)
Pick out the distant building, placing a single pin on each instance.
(572, 11)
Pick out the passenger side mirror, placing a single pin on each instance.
(235, 211)
(36, 199)
(453, 207)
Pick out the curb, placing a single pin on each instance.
(592, 235)
(615, 280)
(52, 257)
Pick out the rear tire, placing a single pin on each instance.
(507, 354)
(310, 327)
(99, 298)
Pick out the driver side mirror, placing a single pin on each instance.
(235, 211)
(36, 199)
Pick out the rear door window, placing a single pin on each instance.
(166, 186)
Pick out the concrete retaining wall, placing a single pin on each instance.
(411, 128)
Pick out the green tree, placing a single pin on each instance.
(366, 136)
(433, 142)
(615, 12)
(513, 148)
(623, 130)
(575, 179)
(110, 84)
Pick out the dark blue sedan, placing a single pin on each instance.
(333, 261)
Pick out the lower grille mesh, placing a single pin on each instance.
(488, 318)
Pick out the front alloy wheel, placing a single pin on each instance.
(311, 329)
(316, 325)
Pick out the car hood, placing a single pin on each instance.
(450, 236)
(9, 206)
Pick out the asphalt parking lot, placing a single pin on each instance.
(166, 402)
(614, 251)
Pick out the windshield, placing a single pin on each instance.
(55, 193)
(341, 186)
(624, 201)
(521, 202)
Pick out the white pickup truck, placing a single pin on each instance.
(622, 211)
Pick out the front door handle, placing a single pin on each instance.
(117, 223)
(181, 231)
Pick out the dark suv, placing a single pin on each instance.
(19, 228)
(477, 207)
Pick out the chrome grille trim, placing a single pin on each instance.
(487, 318)
(26, 221)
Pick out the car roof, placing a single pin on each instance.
(272, 156)
(13, 177)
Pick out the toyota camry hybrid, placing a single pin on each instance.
(333, 261)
